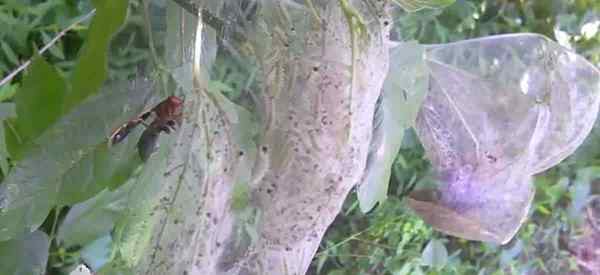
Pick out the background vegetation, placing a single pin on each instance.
(390, 239)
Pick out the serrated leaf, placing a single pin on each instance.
(39, 103)
(91, 69)
(415, 5)
(27, 255)
(404, 91)
(31, 189)
(435, 254)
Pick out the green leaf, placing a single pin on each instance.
(9, 53)
(116, 267)
(415, 5)
(39, 104)
(7, 91)
(6, 110)
(24, 256)
(56, 50)
(435, 254)
(133, 230)
(103, 210)
(100, 169)
(404, 90)
(91, 69)
(32, 188)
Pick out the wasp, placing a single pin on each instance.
(166, 116)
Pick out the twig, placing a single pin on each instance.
(62, 33)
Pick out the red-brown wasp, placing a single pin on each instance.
(167, 117)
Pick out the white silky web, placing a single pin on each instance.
(499, 110)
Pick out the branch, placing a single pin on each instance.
(62, 33)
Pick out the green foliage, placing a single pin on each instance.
(45, 174)
(103, 211)
(26, 255)
(476, 18)
(59, 159)
(39, 104)
(91, 71)
(57, 142)
(29, 24)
